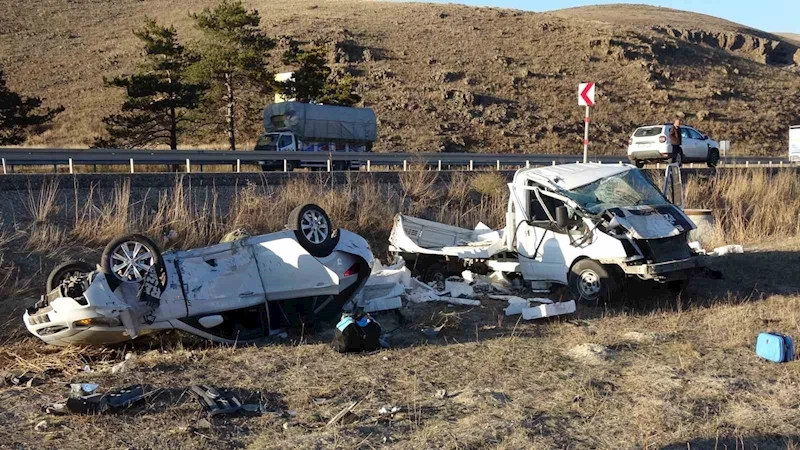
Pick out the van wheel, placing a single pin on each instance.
(313, 229)
(713, 158)
(591, 282)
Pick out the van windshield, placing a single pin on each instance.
(267, 142)
(624, 190)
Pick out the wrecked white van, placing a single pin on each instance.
(589, 226)
(234, 291)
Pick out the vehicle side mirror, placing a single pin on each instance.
(562, 216)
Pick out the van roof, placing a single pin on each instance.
(571, 176)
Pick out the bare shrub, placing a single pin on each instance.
(43, 204)
(489, 184)
(749, 205)
(418, 187)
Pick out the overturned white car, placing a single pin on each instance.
(234, 291)
(589, 226)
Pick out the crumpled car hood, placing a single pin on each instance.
(652, 222)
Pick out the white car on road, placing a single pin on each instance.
(236, 291)
(651, 143)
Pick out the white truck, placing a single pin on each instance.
(588, 226)
(306, 127)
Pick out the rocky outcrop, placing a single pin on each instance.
(762, 49)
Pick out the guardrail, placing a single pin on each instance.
(187, 159)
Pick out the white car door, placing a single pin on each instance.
(288, 271)
(219, 278)
(701, 145)
(540, 248)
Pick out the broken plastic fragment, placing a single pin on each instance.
(554, 309)
(728, 250)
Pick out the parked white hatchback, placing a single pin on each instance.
(651, 143)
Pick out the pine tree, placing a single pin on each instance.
(21, 116)
(233, 57)
(311, 80)
(159, 99)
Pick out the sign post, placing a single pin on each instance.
(586, 98)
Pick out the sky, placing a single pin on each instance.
(768, 15)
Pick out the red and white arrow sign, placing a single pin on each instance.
(586, 94)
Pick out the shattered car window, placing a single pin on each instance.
(627, 189)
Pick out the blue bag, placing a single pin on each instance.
(775, 347)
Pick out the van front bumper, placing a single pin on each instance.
(664, 271)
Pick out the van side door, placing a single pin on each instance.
(541, 245)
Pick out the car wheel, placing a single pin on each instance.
(590, 282)
(713, 158)
(129, 258)
(313, 229)
(66, 271)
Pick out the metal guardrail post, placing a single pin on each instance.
(470, 165)
(188, 166)
(747, 163)
(554, 163)
(285, 166)
(368, 166)
(498, 164)
(405, 165)
(238, 166)
(131, 165)
(439, 168)
(71, 169)
(4, 167)
(329, 165)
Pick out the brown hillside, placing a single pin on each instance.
(449, 77)
(791, 36)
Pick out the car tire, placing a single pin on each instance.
(67, 270)
(713, 158)
(313, 229)
(591, 282)
(121, 252)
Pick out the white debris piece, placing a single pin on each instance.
(697, 247)
(516, 305)
(728, 250)
(540, 287)
(461, 301)
(420, 296)
(457, 289)
(554, 309)
(384, 287)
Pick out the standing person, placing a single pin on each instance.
(676, 140)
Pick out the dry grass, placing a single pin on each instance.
(682, 373)
(749, 205)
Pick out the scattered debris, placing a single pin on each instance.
(82, 389)
(728, 250)
(551, 310)
(41, 426)
(215, 401)
(388, 409)
(433, 332)
(697, 247)
(440, 394)
(457, 289)
(123, 366)
(28, 379)
(590, 354)
(341, 414)
(96, 403)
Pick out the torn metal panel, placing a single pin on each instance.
(551, 310)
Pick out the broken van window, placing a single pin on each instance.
(627, 189)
